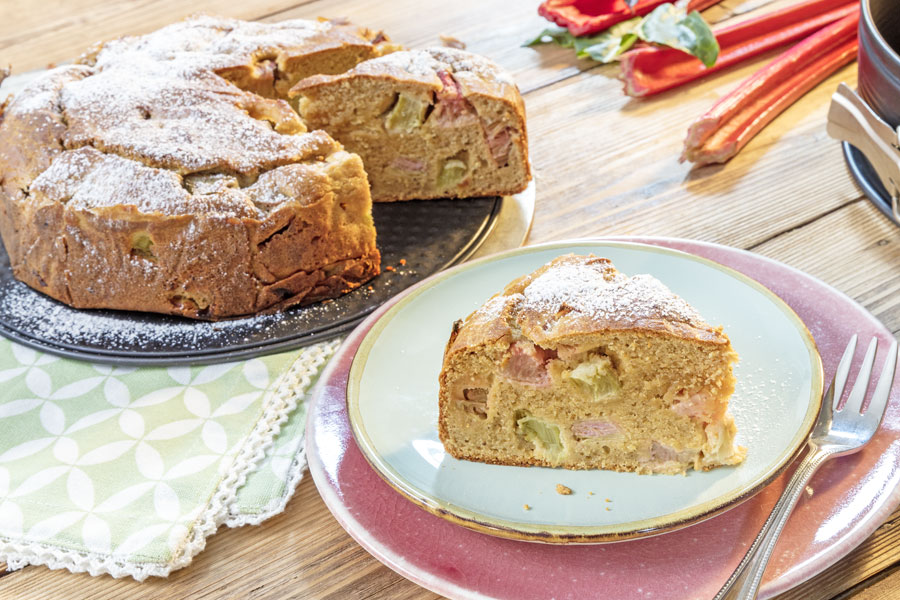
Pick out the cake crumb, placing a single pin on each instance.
(526, 507)
(563, 490)
(608, 500)
(590, 493)
(451, 42)
(809, 491)
(607, 508)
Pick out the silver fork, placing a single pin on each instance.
(837, 432)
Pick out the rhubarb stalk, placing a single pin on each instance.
(736, 118)
(583, 17)
(653, 69)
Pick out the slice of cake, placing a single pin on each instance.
(429, 123)
(579, 366)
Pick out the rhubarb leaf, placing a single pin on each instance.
(606, 46)
(558, 35)
(668, 24)
(671, 26)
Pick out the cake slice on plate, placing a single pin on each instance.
(579, 366)
(430, 123)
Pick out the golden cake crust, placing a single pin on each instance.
(573, 297)
(164, 175)
(476, 75)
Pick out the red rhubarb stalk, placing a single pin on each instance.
(582, 17)
(736, 118)
(653, 69)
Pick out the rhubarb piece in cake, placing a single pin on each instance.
(579, 366)
(428, 123)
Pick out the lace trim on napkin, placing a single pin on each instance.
(303, 373)
(275, 413)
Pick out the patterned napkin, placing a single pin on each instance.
(127, 471)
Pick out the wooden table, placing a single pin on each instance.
(604, 165)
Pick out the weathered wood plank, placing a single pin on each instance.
(607, 165)
(863, 264)
(883, 586)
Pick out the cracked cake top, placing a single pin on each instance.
(574, 297)
(155, 113)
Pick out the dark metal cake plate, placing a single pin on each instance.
(864, 174)
(416, 239)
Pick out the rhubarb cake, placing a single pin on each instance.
(168, 173)
(580, 366)
(430, 123)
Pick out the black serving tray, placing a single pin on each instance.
(428, 235)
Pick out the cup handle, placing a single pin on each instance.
(851, 120)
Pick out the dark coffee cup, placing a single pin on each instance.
(879, 58)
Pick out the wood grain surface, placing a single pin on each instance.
(604, 165)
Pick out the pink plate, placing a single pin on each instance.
(850, 498)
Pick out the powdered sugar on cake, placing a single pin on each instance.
(156, 102)
(598, 290)
(426, 63)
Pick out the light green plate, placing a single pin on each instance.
(392, 400)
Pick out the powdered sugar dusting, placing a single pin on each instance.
(42, 94)
(215, 41)
(86, 179)
(594, 288)
(83, 328)
(427, 62)
(179, 115)
(159, 99)
(146, 113)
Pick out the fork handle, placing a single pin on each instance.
(744, 582)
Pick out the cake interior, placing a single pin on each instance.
(619, 400)
(416, 142)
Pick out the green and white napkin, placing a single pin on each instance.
(127, 471)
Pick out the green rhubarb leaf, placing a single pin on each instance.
(606, 46)
(668, 24)
(671, 26)
(553, 35)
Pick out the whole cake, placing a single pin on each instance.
(163, 175)
(579, 366)
(430, 123)
(169, 173)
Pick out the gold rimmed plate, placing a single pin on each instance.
(392, 405)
